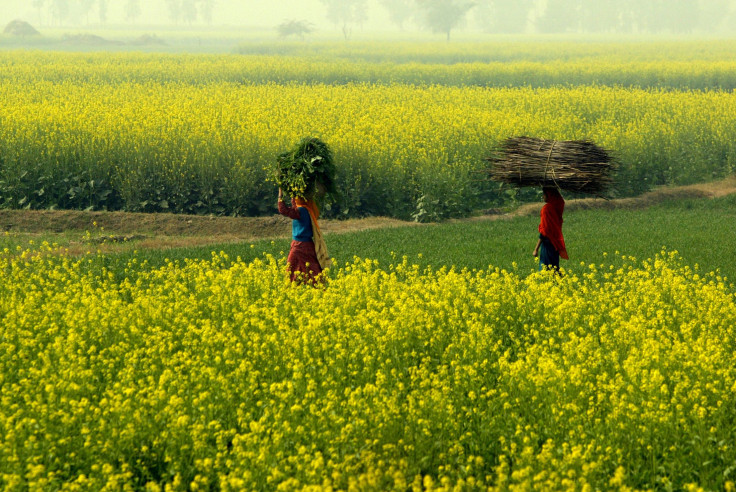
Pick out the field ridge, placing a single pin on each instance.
(160, 230)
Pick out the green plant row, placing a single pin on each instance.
(401, 151)
(340, 68)
(506, 49)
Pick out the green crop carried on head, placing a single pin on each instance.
(306, 169)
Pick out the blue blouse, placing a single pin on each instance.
(301, 224)
(301, 228)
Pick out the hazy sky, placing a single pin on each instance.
(269, 13)
(265, 13)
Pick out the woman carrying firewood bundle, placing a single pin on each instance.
(551, 245)
(579, 166)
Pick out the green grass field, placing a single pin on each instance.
(701, 230)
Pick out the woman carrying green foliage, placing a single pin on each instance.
(307, 172)
(308, 252)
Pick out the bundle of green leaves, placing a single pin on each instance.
(306, 171)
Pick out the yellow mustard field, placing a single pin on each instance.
(188, 134)
(220, 374)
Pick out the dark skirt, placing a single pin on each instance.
(303, 263)
(548, 255)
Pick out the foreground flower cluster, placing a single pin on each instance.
(221, 374)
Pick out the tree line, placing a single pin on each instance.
(544, 16)
(614, 16)
(445, 16)
(552, 16)
(57, 12)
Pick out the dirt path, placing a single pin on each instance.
(171, 230)
(119, 230)
(702, 190)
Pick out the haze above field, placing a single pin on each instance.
(348, 16)
(157, 13)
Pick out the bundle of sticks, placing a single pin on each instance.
(579, 166)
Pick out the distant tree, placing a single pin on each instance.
(206, 7)
(617, 16)
(102, 11)
(361, 14)
(59, 11)
(189, 11)
(649, 16)
(730, 19)
(133, 10)
(85, 8)
(182, 10)
(347, 13)
(443, 16)
(504, 16)
(713, 14)
(174, 9)
(604, 16)
(20, 28)
(652, 16)
(39, 4)
(561, 16)
(400, 11)
(294, 28)
(682, 15)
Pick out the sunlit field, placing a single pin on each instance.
(432, 357)
(219, 374)
(198, 134)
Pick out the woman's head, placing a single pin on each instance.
(550, 192)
